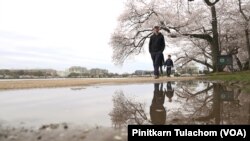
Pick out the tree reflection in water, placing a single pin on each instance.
(127, 111)
(187, 103)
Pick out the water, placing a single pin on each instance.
(186, 102)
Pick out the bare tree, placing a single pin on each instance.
(246, 28)
(140, 16)
(214, 39)
(204, 31)
(126, 111)
(230, 35)
(136, 26)
(199, 52)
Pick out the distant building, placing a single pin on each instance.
(78, 69)
(1, 76)
(142, 72)
(62, 73)
(139, 72)
(187, 70)
(84, 72)
(97, 71)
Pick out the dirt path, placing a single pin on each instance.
(48, 83)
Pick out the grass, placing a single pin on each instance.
(237, 77)
(228, 76)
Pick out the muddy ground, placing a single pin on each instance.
(51, 83)
(62, 132)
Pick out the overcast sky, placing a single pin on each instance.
(58, 34)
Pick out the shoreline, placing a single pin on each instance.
(9, 84)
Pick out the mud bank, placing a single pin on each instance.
(61, 132)
(50, 83)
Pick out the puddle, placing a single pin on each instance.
(188, 102)
(100, 113)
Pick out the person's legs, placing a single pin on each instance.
(157, 63)
(161, 62)
(155, 58)
(156, 87)
(161, 70)
(168, 71)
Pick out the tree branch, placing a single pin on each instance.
(204, 52)
(199, 92)
(211, 3)
(241, 11)
(193, 59)
(204, 63)
(201, 36)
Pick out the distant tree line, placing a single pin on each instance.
(34, 73)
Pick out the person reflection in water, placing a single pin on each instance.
(157, 109)
(169, 92)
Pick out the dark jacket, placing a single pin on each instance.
(169, 62)
(156, 43)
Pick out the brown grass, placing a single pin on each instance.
(48, 83)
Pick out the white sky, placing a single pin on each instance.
(58, 34)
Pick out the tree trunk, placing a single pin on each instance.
(215, 43)
(216, 102)
(247, 19)
(248, 46)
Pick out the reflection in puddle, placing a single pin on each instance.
(183, 103)
(80, 88)
(157, 109)
(127, 111)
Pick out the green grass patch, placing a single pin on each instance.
(240, 77)
(229, 76)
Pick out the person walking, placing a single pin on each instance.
(169, 64)
(156, 48)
